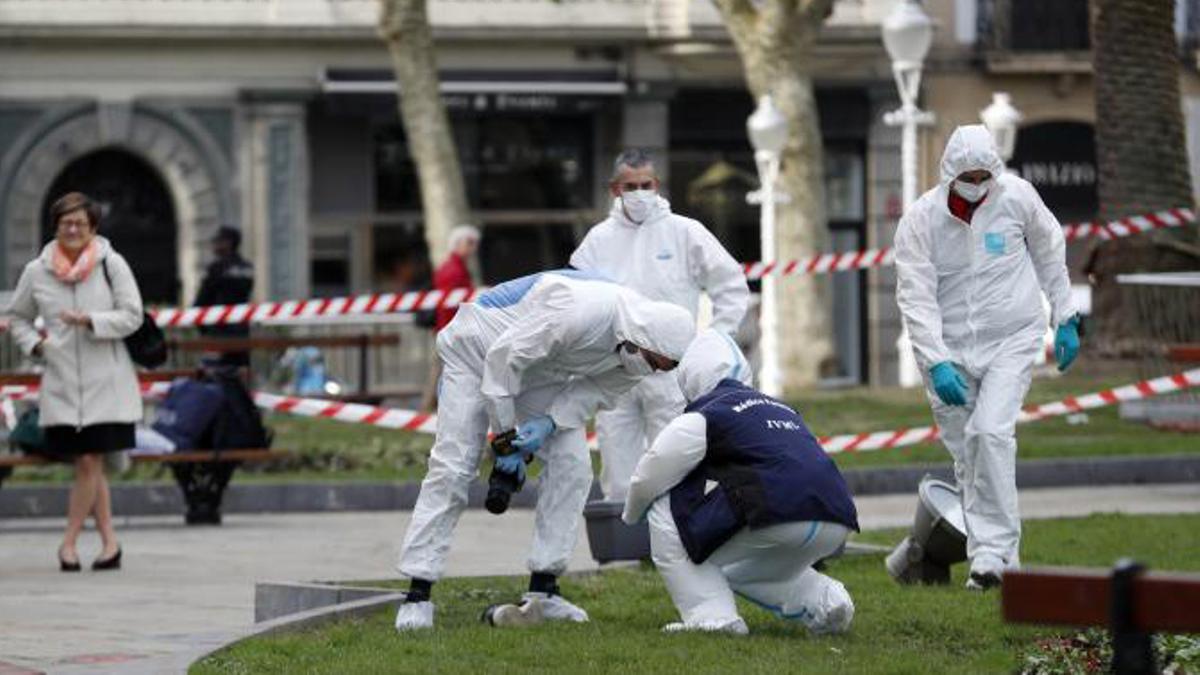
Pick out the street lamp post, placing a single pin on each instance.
(768, 130)
(1001, 118)
(907, 35)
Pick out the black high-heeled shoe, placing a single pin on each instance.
(113, 563)
(65, 565)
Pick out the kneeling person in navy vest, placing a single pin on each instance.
(741, 499)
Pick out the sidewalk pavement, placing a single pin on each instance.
(179, 582)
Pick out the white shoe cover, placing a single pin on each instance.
(528, 613)
(733, 627)
(557, 608)
(836, 611)
(986, 572)
(414, 616)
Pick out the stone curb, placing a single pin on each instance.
(205, 645)
(164, 498)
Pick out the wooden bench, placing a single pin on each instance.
(1183, 353)
(35, 379)
(1130, 601)
(363, 342)
(202, 475)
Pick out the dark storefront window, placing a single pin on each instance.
(138, 216)
(400, 259)
(508, 162)
(527, 165)
(1059, 158)
(712, 169)
(1035, 25)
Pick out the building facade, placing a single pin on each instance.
(279, 117)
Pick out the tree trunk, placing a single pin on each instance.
(404, 25)
(775, 40)
(1140, 150)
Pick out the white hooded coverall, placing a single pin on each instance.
(770, 566)
(539, 345)
(970, 294)
(669, 258)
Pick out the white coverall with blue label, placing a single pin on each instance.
(669, 258)
(539, 345)
(971, 295)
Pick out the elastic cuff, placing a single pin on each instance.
(543, 582)
(419, 590)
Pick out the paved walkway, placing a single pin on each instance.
(180, 582)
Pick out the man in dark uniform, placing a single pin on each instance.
(229, 280)
(741, 498)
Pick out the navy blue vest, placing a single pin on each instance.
(768, 467)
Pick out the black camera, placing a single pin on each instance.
(502, 485)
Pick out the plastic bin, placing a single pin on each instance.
(610, 538)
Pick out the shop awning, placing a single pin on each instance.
(548, 82)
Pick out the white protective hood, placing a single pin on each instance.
(970, 148)
(712, 357)
(661, 327)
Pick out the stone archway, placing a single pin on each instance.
(197, 177)
(139, 216)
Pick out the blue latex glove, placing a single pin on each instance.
(949, 384)
(1066, 343)
(514, 463)
(531, 434)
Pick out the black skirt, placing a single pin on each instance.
(69, 441)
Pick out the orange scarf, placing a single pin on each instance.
(73, 272)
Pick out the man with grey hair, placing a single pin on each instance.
(666, 257)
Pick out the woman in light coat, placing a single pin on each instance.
(88, 298)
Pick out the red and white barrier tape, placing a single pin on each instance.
(394, 418)
(22, 392)
(884, 257)
(822, 264)
(1125, 227)
(413, 301)
(357, 413)
(409, 420)
(883, 440)
(375, 303)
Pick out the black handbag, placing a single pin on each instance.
(148, 344)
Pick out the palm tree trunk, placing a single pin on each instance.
(1140, 151)
(404, 25)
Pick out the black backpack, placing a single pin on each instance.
(148, 344)
(239, 424)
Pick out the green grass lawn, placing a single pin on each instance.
(896, 630)
(328, 450)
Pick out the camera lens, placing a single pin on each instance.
(501, 487)
(497, 500)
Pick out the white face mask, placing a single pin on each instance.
(638, 204)
(972, 192)
(633, 362)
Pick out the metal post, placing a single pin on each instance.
(1133, 649)
(364, 372)
(908, 117)
(908, 154)
(770, 378)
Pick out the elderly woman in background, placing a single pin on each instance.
(87, 295)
